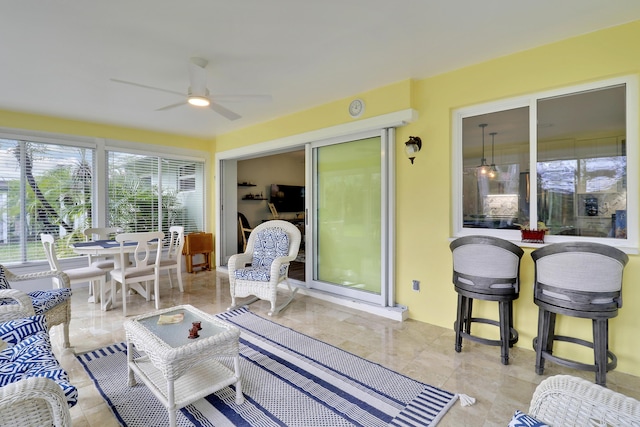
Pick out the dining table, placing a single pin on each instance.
(108, 248)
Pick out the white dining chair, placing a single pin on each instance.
(101, 233)
(173, 258)
(144, 267)
(78, 275)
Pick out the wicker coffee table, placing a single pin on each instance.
(177, 369)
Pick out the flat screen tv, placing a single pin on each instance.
(287, 198)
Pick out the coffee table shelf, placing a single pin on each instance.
(179, 370)
(198, 382)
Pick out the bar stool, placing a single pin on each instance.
(486, 268)
(577, 279)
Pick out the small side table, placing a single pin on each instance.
(179, 370)
(198, 244)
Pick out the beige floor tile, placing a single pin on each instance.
(419, 350)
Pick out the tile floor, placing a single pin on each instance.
(419, 350)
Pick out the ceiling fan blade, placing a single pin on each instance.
(224, 111)
(146, 87)
(168, 107)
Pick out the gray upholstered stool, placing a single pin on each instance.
(578, 279)
(486, 268)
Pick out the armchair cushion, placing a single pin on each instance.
(520, 419)
(14, 331)
(43, 301)
(32, 356)
(4, 283)
(270, 244)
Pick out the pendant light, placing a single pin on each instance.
(483, 169)
(492, 171)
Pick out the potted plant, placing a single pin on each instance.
(530, 235)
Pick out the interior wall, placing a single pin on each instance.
(423, 190)
(423, 251)
(286, 169)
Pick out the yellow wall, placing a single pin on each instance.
(10, 119)
(423, 239)
(424, 188)
(595, 56)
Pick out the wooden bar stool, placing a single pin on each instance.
(486, 268)
(577, 279)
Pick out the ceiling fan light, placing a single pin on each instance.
(199, 101)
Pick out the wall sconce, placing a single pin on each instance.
(412, 146)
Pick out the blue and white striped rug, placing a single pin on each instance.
(288, 379)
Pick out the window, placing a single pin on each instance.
(187, 178)
(44, 188)
(573, 180)
(47, 185)
(144, 193)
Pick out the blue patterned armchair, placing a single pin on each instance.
(54, 304)
(34, 389)
(257, 272)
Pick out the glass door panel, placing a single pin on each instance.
(347, 206)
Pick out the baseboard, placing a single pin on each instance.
(398, 312)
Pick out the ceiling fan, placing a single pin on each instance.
(198, 94)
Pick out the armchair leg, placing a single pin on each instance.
(247, 302)
(276, 310)
(65, 327)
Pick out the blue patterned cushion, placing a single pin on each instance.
(269, 244)
(44, 300)
(4, 283)
(14, 331)
(521, 419)
(33, 357)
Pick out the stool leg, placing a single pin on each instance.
(505, 330)
(510, 323)
(551, 332)
(459, 322)
(600, 344)
(468, 309)
(540, 341)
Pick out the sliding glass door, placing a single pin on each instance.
(349, 218)
(349, 211)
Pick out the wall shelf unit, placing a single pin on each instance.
(250, 195)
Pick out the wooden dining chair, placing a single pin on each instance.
(144, 267)
(244, 230)
(91, 274)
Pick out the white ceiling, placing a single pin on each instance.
(58, 57)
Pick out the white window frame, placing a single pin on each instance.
(630, 244)
(100, 147)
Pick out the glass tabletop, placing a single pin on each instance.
(177, 334)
